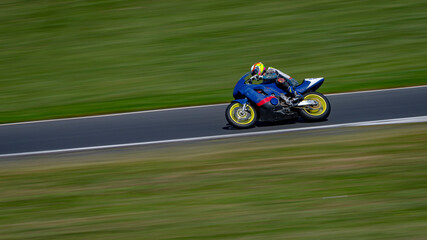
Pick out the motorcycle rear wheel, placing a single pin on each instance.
(239, 118)
(316, 113)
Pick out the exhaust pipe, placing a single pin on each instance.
(305, 103)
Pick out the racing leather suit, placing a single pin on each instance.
(282, 80)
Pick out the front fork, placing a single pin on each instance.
(244, 107)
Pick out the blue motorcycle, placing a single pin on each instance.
(265, 102)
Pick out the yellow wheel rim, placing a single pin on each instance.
(242, 117)
(319, 108)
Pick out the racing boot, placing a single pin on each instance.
(296, 96)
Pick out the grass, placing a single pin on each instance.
(70, 58)
(360, 183)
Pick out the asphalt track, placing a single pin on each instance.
(193, 123)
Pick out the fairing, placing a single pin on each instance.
(309, 85)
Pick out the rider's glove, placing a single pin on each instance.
(256, 77)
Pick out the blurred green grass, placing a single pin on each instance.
(359, 183)
(70, 58)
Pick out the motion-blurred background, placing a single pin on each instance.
(69, 58)
(64, 58)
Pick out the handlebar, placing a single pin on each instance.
(251, 79)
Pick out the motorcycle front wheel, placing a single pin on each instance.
(239, 117)
(318, 112)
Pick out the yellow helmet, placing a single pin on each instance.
(257, 69)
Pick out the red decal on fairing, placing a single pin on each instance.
(264, 101)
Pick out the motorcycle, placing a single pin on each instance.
(265, 102)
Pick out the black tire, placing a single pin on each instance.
(241, 119)
(320, 112)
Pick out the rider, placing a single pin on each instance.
(282, 80)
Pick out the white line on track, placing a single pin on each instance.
(377, 90)
(355, 124)
(190, 107)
